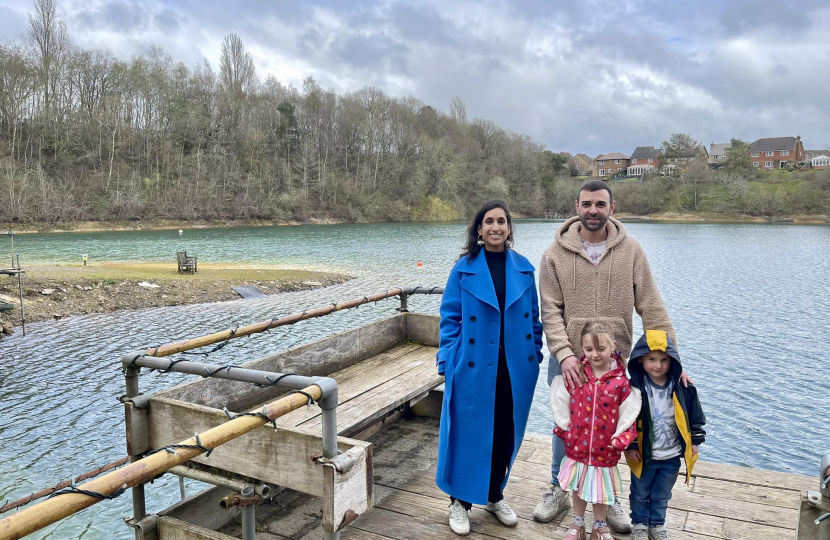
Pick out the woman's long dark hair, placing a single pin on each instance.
(471, 248)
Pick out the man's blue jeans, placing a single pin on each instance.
(555, 369)
(651, 492)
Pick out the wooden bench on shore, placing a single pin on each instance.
(186, 264)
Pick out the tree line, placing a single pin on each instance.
(87, 136)
(84, 135)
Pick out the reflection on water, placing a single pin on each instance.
(748, 303)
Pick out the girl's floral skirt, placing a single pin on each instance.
(592, 484)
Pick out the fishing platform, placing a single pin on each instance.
(338, 438)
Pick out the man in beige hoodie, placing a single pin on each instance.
(593, 271)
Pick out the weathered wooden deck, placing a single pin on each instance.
(722, 501)
(387, 398)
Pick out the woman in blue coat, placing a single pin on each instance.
(489, 354)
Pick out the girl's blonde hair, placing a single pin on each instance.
(595, 329)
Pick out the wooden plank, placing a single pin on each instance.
(174, 529)
(734, 509)
(738, 491)
(347, 492)
(730, 529)
(423, 328)
(360, 378)
(361, 411)
(757, 477)
(320, 357)
(279, 457)
(201, 508)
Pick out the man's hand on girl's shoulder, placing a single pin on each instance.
(694, 449)
(685, 379)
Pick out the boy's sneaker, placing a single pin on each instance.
(640, 532)
(575, 532)
(658, 533)
(617, 518)
(503, 512)
(554, 502)
(459, 520)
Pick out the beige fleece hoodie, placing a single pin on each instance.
(573, 291)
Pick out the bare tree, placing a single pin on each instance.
(47, 35)
(458, 110)
(236, 75)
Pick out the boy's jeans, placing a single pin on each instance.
(555, 369)
(651, 492)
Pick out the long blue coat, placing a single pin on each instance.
(468, 357)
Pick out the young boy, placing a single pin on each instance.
(670, 425)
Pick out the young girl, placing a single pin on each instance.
(597, 421)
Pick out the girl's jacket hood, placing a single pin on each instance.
(653, 340)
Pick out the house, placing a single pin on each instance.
(776, 152)
(820, 161)
(816, 153)
(717, 154)
(610, 164)
(645, 159)
(570, 158)
(583, 164)
(695, 155)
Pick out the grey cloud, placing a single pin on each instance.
(168, 21)
(114, 15)
(371, 51)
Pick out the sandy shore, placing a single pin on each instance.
(53, 292)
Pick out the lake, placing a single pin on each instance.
(749, 303)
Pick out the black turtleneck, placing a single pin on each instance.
(496, 261)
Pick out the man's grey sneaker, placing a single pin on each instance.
(503, 512)
(554, 502)
(640, 532)
(617, 518)
(459, 520)
(658, 533)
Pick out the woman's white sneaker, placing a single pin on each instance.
(503, 512)
(459, 519)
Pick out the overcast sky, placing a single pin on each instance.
(591, 76)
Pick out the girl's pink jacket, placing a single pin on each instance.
(599, 420)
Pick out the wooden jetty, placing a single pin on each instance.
(382, 484)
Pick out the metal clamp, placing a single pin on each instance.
(342, 463)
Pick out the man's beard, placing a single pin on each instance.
(599, 226)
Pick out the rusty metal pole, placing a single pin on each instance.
(139, 502)
(52, 510)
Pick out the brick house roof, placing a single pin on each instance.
(773, 143)
(719, 149)
(613, 155)
(644, 152)
(585, 157)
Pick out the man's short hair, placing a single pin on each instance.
(596, 185)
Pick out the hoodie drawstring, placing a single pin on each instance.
(610, 267)
(574, 272)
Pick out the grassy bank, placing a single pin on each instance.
(77, 290)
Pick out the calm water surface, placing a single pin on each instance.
(749, 303)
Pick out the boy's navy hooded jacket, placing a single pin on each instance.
(687, 411)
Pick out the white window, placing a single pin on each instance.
(602, 162)
(783, 165)
(768, 164)
(602, 172)
(714, 156)
(770, 153)
(633, 161)
(617, 161)
(618, 170)
(756, 154)
(755, 163)
(785, 152)
(723, 157)
(651, 160)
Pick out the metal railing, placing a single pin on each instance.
(144, 467)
